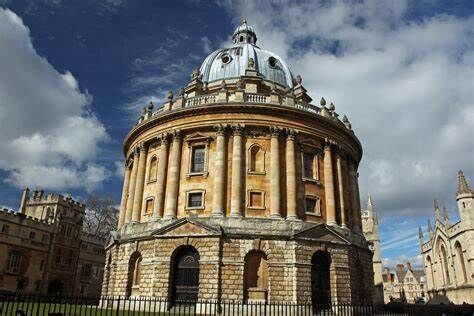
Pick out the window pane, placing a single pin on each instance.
(149, 206)
(195, 199)
(256, 199)
(198, 159)
(310, 205)
(308, 165)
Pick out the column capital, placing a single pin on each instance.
(163, 138)
(237, 129)
(136, 151)
(291, 133)
(275, 131)
(142, 147)
(177, 134)
(330, 143)
(220, 129)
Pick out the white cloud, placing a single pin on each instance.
(49, 137)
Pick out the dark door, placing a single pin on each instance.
(186, 276)
(320, 286)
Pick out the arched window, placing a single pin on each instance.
(444, 262)
(153, 168)
(256, 159)
(255, 276)
(460, 256)
(134, 274)
(320, 281)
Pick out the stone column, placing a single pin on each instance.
(329, 186)
(290, 176)
(236, 185)
(123, 203)
(131, 187)
(220, 170)
(275, 172)
(172, 183)
(138, 198)
(161, 177)
(355, 200)
(340, 182)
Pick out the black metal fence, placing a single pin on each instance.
(33, 305)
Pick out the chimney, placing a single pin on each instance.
(408, 265)
(400, 267)
(24, 197)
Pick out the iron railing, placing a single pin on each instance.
(36, 305)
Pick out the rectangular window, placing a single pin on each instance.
(308, 165)
(44, 238)
(195, 199)
(58, 256)
(70, 257)
(14, 262)
(197, 159)
(32, 235)
(149, 206)
(41, 265)
(312, 205)
(256, 199)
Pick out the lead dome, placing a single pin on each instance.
(229, 63)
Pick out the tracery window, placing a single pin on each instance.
(460, 256)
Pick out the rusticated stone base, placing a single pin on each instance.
(222, 248)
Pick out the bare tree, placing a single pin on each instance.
(101, 216)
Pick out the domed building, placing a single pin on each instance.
(238, 188)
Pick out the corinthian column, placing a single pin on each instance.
(172, 184)
(123, 203)
(161, 177)
(275, 172)
(131, 187)
(329, 186)
(290, 175)
(138, 198)
(236, 188)
(219, 177)
(355, 200)
(340, 183)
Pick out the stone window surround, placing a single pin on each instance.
(316, 152)
(148, 176)
(249, 159)
(149, 198)
(317, 205)
(203, 194)
(195, 141)
(250, 207)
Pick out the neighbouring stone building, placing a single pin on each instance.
(238, 188)
(448, 255)
(406, 284)
(44, 251)
(370, 228)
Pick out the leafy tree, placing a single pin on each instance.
(101, 216)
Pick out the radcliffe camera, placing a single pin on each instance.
(236, 158)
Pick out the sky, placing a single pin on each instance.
(74, 76)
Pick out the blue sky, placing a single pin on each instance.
(76, 74)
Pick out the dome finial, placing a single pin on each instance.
(244, 21)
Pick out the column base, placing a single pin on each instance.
(155, 217)
(276, 216)
(217, 214)
(332, 223)
(293, 218)
(235, 215)
(169, 217)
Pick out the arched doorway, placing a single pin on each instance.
(255, 276)
(320, 282)
(56, 287)
(185, 280)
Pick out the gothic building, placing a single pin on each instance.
(370, 228)
(43, 249)
(448, 255)
(238, 188)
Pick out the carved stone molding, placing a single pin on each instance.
(275, 131)
(238, 129)
(220, 129)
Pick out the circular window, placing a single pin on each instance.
(225, 58)
(272, 61)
